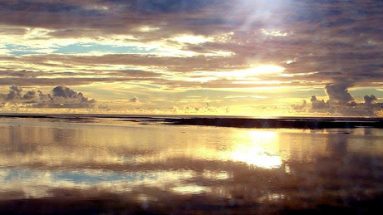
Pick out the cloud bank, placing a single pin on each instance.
(341, 102)
(60, 97)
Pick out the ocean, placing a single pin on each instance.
(171, 165)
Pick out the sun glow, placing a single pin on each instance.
(191, 39)
(274, 33)
(268, 69)
(259, 70)
(250, 74)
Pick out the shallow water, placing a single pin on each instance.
(152, 167)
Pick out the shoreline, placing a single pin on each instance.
(225, 121)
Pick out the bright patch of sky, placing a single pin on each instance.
(102, 48)
(78, 48)
(19, 50)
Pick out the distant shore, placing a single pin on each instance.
(305, 123)
(225, 121)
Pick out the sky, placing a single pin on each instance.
(220, 57)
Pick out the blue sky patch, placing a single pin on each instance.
(83, 48)
(19, 50)
(78, 48)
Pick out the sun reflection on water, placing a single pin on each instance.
(259, 149)
(189, 189)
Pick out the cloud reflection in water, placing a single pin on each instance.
(154, 164)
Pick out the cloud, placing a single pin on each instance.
(369, 100)
(341, 102)
(61, 97)
(30, 95)
(54, 78)
(134, 100)
(65, 92)
(339, 40)
(318, 104)
(68, 98)
(338, 93)
(14, 93)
